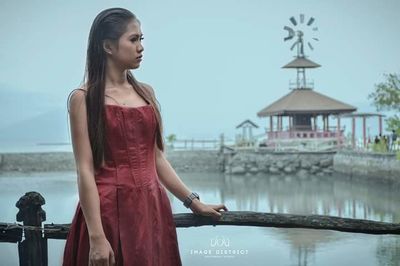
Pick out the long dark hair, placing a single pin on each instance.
(109, 24)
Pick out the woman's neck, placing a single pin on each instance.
(115, 77)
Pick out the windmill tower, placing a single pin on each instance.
(297, 32)
(303, 108)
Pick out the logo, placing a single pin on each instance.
(219, 242)
(219, 247)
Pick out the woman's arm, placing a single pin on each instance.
(173, 183)
(88, 193)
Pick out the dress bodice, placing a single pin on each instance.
(129, 142)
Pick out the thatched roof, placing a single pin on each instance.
(306, 101)
(301, 62)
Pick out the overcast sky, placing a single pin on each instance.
(213, 63)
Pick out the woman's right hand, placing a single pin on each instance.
(101, 253)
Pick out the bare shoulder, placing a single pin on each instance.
(148, 87)
(77, 99)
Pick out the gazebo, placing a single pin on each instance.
(247, 126)
(302, 107)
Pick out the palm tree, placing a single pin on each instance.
(171, 139)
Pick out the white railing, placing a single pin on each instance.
(194, 144)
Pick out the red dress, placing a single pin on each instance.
(135, 210)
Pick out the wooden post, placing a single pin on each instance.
(250, 134)
(380, 125)
(33, 250)
(353, 132)
(221, 143)
(338, 131)
(364, 132)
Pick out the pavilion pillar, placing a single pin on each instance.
(353, 132)
(277, 124)
(324, 122)
(315, 123)
(380, 125)
(327, 123)
(364, 132)
(271, 124)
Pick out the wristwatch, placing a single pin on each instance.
(190, 198)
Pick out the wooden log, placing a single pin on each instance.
(10, 233)
(33, 250)
(247, 218)
(56, 231)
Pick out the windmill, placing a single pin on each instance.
(301, 32)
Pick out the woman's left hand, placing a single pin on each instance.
(200, 208)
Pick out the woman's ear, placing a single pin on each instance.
(108, 47)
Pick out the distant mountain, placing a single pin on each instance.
(50, 126)
(31, 116)
(18, 105)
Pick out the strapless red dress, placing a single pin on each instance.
(135, 210)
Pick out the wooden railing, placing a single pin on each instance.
(304, 134)
(32, 250)
(195, 144)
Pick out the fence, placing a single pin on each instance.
(32, 250)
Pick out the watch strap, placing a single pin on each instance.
(189, 199)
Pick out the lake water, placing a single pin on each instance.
(239, 245)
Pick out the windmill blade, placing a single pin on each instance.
(316, 39)
(293, 20)
(309, 45)
(291, 33)
(301, 18)
(294, 45)
(310, 21)
(287, 38)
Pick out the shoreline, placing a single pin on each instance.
(362, 165)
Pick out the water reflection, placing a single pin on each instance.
(331, 195)
(334, 195)
(388, 251)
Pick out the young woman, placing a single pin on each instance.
(124, 216)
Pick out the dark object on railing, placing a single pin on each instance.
(33, 250)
